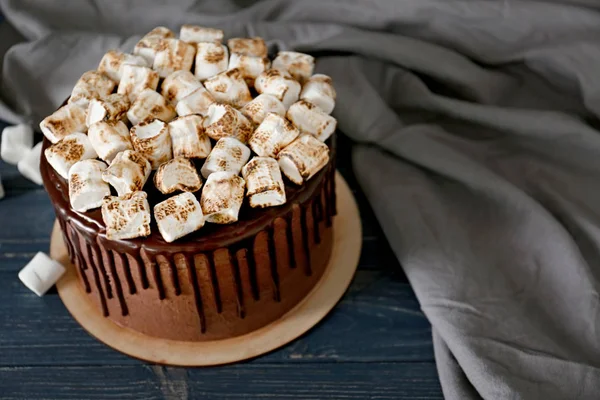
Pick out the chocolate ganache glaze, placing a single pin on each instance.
(220, 281)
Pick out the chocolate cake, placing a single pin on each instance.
(225, 276)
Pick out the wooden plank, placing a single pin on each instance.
(377, 320)
(242, 381)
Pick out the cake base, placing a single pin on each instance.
(313, 308)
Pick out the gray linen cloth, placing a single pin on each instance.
(479, 149)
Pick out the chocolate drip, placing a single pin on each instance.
(273, 264)
(66, 240)
(141, 270)
(305, 239)
(158, 279)
(316, 216)
(79, 259)
(289, 236)
(215, 282)
(235, 270)
(174, 276)
(328, 202)
(96, 276)
(127, 270)
(98, 261)
(193, 278)
(118, 287)
(252, 270)
(331, 194)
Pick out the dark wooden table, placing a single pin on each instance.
(376, 343)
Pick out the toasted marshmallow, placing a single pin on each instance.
(222, 197)
(178, 85)
(254, 47)
(189, 137)
(229, 154)
(150, 105)
(303, 158)
(310, 119)
(299, 65)
(74, 147)
(128, 172)
(153, 141)
(135, 80)
(229, 87)
(64, 121)
(319, 91)
(91, 85)
(197, 34)
(86, 187)
(178, 216)
(29, 166)
(178, 174)
(264, 182)
(41, 273)
(112, 63)
(250, 67)
(223, 120)
(196, 103)
(279, 84)
(257, 110)
(211, 59)
(109, 138)
(175, 55)
(126, 217)
(151, 43)
(16, 142)
(272, 135)
(112, 108)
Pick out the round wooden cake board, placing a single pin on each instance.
(324, 296)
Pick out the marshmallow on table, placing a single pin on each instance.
(188, 137)
(311, 119)
(178, 174)
(41, 273)
(150, 105)
(178, 216)
(254, 47)
(229, 155)
(222, 197)
(299, 65)
(173, 56)
(109, 138)
(257, 110)
(222, 120)
(86, 187)
(303, 158)
(148, 46)
(272, 135)
(319, 91)
(196, 103)
(29, 166)
(152, 140)
(111, 108)
(127, 216)
(64, 121)
(91, 85)
(112, 63)
(279, 84)
(16, 142)
(264, 182)
(135, 80)
(211, 59)
(197, 34)
(74, 147)
(250, 67)
(128, 172)
(229, 87)
(178, 85)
